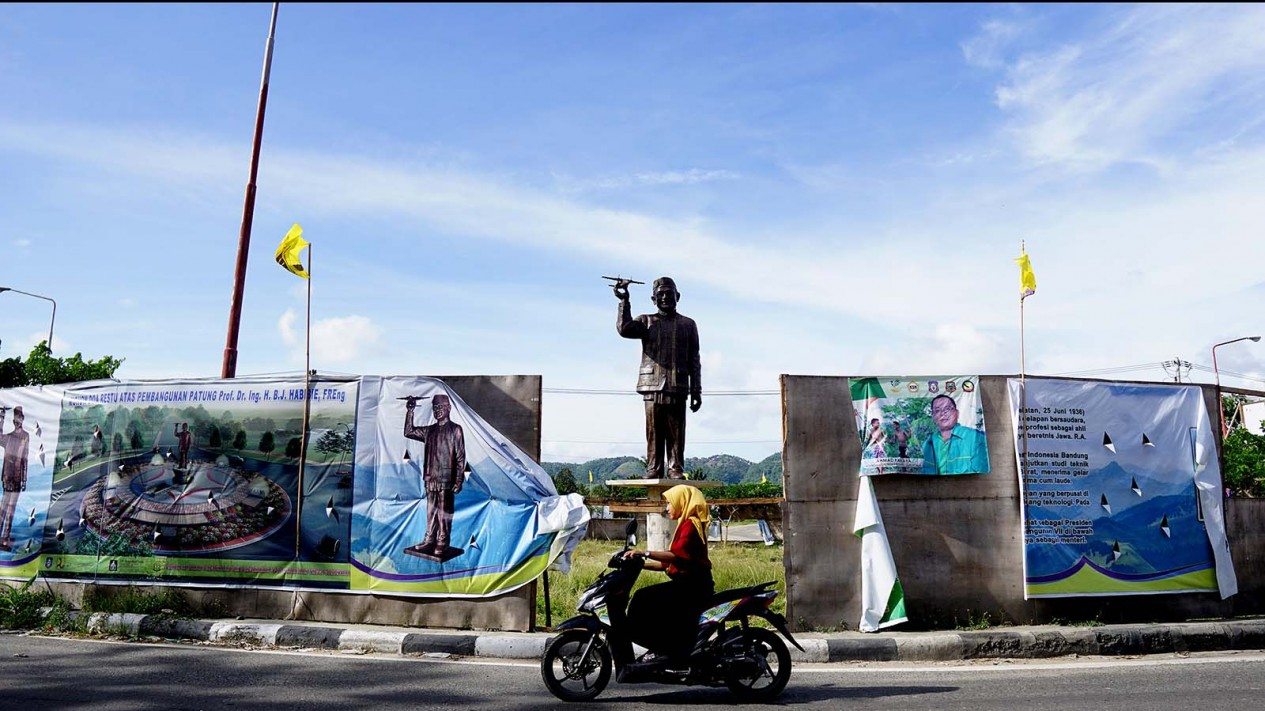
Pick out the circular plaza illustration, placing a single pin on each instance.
(202, 507)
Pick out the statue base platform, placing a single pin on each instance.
(430, 554)
(659, 526)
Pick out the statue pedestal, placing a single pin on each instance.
(659, 528)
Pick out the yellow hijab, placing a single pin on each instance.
(693, 507)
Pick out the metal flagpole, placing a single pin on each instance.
(307, 407)
(1023, 390)
(229, 367)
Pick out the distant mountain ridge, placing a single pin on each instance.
(725, 468)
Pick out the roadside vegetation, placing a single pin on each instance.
(734, 565)
(30, 607)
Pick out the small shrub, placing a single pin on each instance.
(141, 601)
(982, 621)
(22, 608)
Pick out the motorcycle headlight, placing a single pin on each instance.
(590, 599)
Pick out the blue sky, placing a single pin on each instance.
(837, 189)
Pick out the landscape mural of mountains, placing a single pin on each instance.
(1134, 523)
(719, 467)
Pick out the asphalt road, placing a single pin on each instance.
(39, 673)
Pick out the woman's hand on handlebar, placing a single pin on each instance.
(636, 554)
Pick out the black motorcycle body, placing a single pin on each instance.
(753, 662)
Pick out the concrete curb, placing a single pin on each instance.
(1000, 643)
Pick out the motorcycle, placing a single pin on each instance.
(752, 662)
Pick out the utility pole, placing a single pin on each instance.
(1177, 364)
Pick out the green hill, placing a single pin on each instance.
(725, 468)
(719, 467)
(770, 467)
(603, 469)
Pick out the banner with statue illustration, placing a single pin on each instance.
(444, 504)
(199, 482)
(1120, 489)
(926, 425)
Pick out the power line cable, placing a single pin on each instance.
(596, 391)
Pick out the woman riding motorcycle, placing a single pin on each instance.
(663, 618)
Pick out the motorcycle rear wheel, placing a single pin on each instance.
(773, 659)
(568, 673)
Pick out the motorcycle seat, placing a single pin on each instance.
(737, 593)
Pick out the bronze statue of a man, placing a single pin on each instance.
(670, 372)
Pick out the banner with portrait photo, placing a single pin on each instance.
(922, 425)
(1120, 489)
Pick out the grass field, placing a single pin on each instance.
(734, 565)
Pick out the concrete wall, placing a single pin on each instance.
(511, 404)
(957, 541)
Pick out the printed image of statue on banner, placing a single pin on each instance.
(28, 436)
(931, 425)
(444, 504)
(199, 480)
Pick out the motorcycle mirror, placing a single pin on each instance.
(630, 532)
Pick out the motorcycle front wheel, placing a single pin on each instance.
(576, 665)
(766, 670)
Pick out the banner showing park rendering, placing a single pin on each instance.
(1120, 489)
(271, 483)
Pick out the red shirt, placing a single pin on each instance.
(690, 549)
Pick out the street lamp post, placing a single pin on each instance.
(50, 322)
(1217, 373)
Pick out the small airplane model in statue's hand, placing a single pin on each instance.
(621, 285)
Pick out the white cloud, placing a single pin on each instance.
(949, 347)
(986, 49)
(1116, 96)
(335, 341)
(285, 326)
(692, 176)
(343, 340)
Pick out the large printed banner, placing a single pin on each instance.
(1121, 490)
(445, 505)
(920, 425)
(199, 482)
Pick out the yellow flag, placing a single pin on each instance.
(590, 476)
(288, 251)
(764, 478)
(1027, 280)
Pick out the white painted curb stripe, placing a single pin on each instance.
(509, 647)
(227, 631)
(362, 640)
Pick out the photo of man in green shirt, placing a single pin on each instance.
(953, 448)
